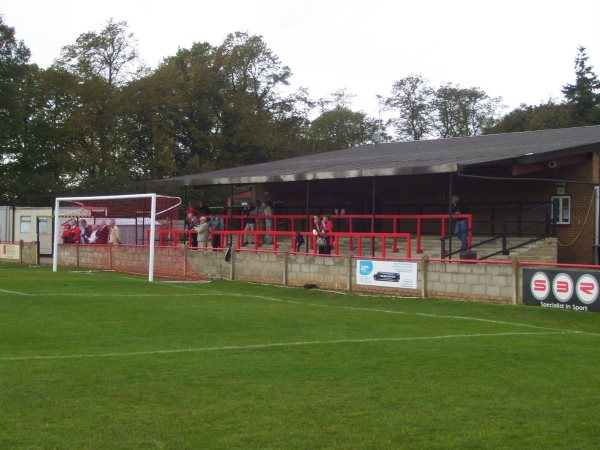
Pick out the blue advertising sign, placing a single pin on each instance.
(398, 274)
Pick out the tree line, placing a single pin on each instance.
(98, 121)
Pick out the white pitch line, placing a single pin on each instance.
(269, 345)
(209, 293)
(389, 311)
(6, 291)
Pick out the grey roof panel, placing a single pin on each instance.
(403, 158)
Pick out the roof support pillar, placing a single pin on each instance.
(449, 229)
(307, 214)
(373, 215)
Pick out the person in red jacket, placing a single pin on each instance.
(67, 235)
(75, 232)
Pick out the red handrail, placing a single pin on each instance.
(419, 218)
(227, 236)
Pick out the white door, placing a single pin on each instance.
(45, 234)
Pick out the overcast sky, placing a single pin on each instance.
(522, 51)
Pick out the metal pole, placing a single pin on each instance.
(229, 224)
(151, 243)
(55, 236)
(449, 229)
(373, 216)
(308, 224)
(597, 226)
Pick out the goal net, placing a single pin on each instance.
(114, 232)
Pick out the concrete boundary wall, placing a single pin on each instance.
(19, 252)
(498, 283)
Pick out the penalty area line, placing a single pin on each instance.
(272, 345)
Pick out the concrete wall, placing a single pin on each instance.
(20, 253)
(497, 283)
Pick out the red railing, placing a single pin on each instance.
(348, 221)
(174, 238)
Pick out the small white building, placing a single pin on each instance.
(29, 224)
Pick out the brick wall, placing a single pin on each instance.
(435, 279)
(575, 241)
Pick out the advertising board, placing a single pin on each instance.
(399, 274)
(560, 289)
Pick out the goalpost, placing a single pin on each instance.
(136, 215)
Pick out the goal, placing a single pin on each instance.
(137, 216)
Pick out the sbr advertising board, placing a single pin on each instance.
(399, 274)
(575, 291)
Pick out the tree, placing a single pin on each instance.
(549, 115)
(584, 94)
(172, 115)
(14, 67)
(102, 63)
(338, 127)
(461, 111)
(110, 55)
(251, 100)
(15, 73)
(411, 100)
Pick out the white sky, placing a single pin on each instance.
(520, 50)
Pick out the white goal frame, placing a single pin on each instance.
(151, 242)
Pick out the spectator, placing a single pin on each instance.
(94, 235)
(103, 233)
(203, 209)
(114, 236)
(75, 232)
(250, 224)
(67, 235)
(216, 224)
(317, 229)
(86, 232)
(191, 224)
(299, 240)
(461, 228)
(268, 211)
(190, 209)
(202, 233)
(327, 233)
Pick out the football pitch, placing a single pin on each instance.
(102, 360)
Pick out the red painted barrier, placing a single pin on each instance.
(347, 221)
(236, 239)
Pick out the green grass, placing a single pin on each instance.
(104, 360)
